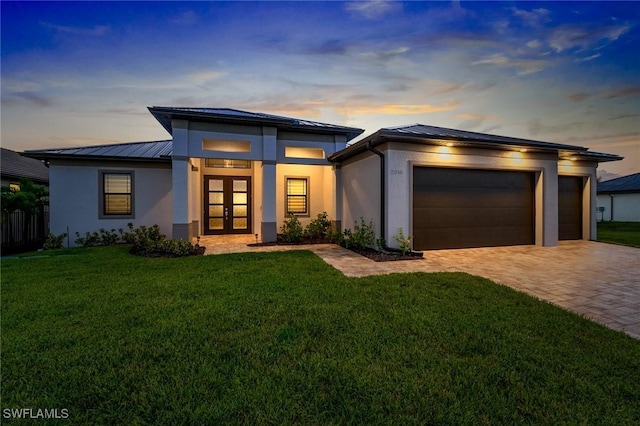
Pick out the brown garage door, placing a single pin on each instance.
(457, 208)
(570, 207)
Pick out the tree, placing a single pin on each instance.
(29, 199)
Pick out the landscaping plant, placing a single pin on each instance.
(318, 227)
(54, 242)
(404, 242)
(361, 237)
(292, 231)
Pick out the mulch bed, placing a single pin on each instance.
(380, 256)
(370, 253)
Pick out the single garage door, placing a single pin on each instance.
(570, 207)
(457, 208)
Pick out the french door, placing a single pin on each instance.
(227, 205)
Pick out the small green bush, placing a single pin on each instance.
(361, 237)
(145, 241)
(54, 242)
(143, 235)
(318, 227)
(100, 238)
(90, 239)
(404, 242)
(335, 235)
(292, 231)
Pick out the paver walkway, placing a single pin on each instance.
(600, 281)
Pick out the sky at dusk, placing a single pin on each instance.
(83, 73)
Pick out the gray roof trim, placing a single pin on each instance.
(432, 135)
(622, 185)
(600, 157)
(227, 115)
(155, 151)
(15, 166)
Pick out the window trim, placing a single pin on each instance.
(307, 180)
(101, 194)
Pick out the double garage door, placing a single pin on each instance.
(459, 208)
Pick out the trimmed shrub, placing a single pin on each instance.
(404, 242)
(318, 227)
(291, 230)
(361, 237)
(54, 242)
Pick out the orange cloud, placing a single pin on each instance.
(396, 109)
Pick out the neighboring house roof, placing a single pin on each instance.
(622, 185)
(432, 135)
(135, 151)
(226, 115)
(15, 166)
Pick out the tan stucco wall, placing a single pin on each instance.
(320, 191)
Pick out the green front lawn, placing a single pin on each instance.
(627, 233)
(283, 338)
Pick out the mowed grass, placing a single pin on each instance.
(283, 338)
(627, 233)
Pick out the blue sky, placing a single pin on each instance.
(83, 73)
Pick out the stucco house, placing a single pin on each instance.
(619, 199)
(227, 171)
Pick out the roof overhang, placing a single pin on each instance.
(46, 156)
(383, 136)
(165, 115)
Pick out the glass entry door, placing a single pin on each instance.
(227, 205)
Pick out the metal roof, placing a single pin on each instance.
(625, 184)
(228, 115)
(432, 135)
(15, 166)
(134, 151)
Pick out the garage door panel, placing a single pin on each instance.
(456, 208)
(452, 238)
(457, 198)
(490, 217)
(570, 207)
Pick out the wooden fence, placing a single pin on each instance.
(21, 233)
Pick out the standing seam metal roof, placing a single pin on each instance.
(422, 130)
(151, 151)
(420, 133)
(164, 115)
(627, 184)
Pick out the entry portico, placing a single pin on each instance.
(239, 172)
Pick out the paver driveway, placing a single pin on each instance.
(598, 280)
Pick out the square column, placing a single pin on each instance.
(269, 223)
(180, 193)
(269, 227)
